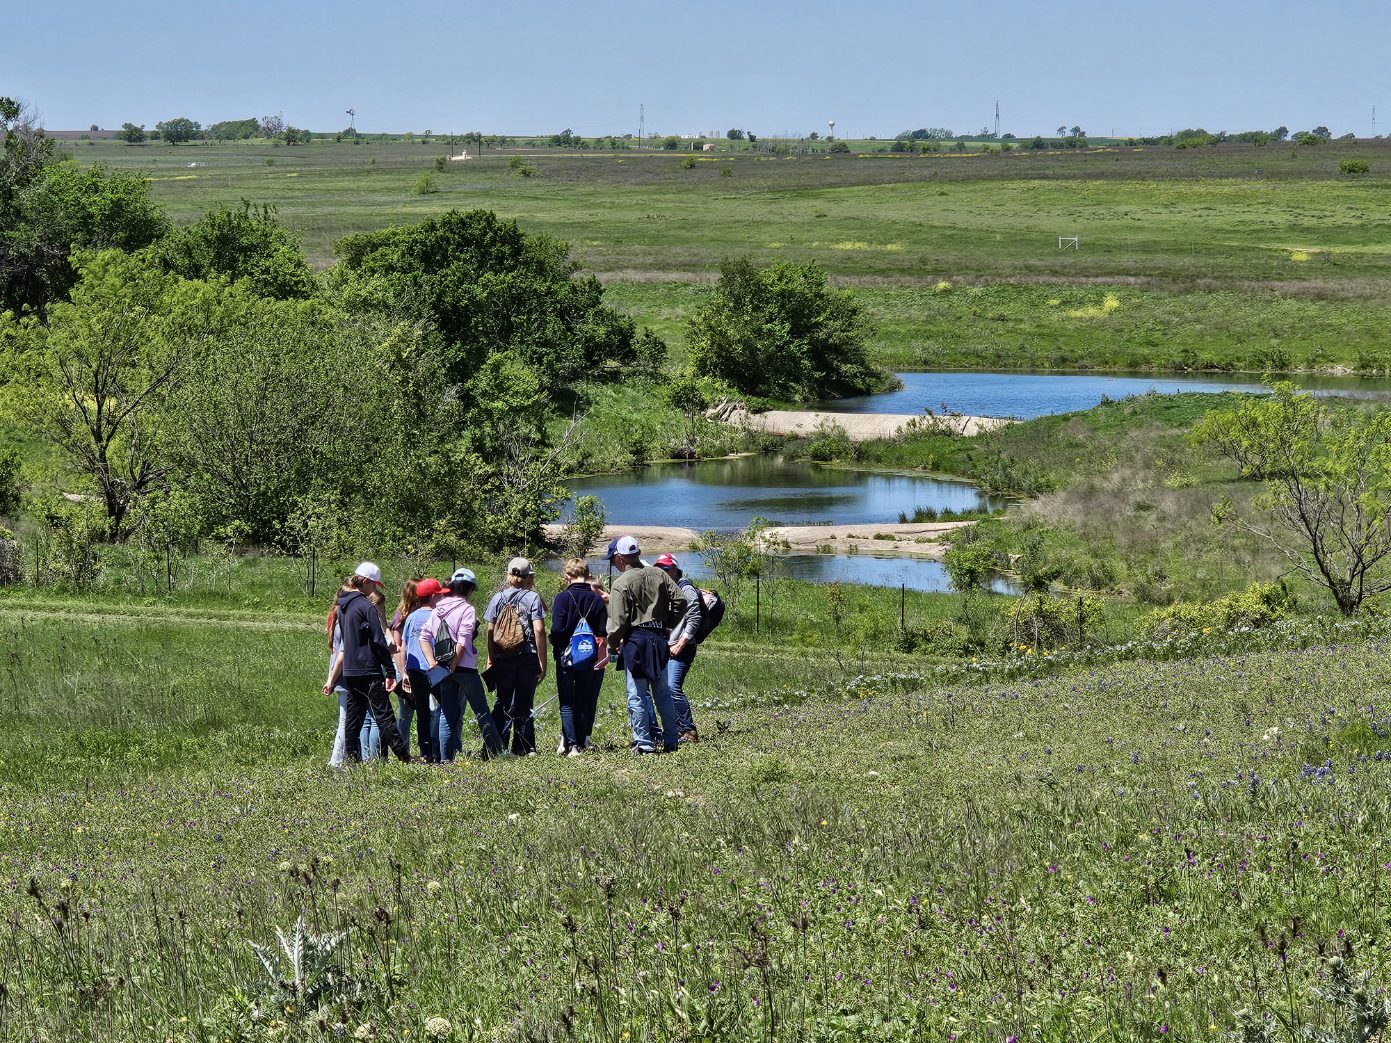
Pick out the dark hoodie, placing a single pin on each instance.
(365, 651)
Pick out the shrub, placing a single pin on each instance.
(782, 332)
(1039, 622)
(425, 185)
(11, 559)
(1255, 608)
(830, 442)
(9, 483)
(970, 565)
(1354, 166)
(441, 163)
(688, 163)
(586, 525)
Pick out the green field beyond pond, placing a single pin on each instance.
(1235, 257)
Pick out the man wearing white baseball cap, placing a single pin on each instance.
(644, 605)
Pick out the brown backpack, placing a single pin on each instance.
(508, 636)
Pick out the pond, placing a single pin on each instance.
(725, 495)
(1028, 395)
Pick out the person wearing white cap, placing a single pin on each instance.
(516, 618)
(644, 605)
(366, 666)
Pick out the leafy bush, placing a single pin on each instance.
(586, 525)
(971, 565)
(1354, 166)
(487, 287)
(9, 482)
(246, 242)
(11, 559)
(1260, 606)
(1039, 622)
(425, 185)
(830, 442)
(781, 332)
(441, 164)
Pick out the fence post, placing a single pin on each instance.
(903, 607)
(758, 604)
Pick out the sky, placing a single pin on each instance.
(775, 67)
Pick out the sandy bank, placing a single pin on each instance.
(860, 427)
(917, 539)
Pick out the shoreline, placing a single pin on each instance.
(887, 540)
(858, 427)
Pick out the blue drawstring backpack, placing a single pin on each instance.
(582, 643)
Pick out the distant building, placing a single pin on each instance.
(709, 146)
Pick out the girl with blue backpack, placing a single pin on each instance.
(579, 618)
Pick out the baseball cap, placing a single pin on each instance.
(624, 545)
(519, 567)
(665, 561)
(368, 570)
(428, 588)
(463, 576)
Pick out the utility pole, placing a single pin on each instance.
(997, 120)
(642, 122)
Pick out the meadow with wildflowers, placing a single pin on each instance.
(1168, 840)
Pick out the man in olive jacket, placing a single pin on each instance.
(644, 605)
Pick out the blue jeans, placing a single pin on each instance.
(676, 680)
(418, 710)
(578, 689)
(642, 694)
(447, 739)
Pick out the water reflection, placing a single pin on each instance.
(726, 495)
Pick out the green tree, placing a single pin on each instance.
(780, 332)
(515, 476)
(67, 208)
(734, 134)
(486, 287)
(179, 129)
(283, 400)
(131, 134)
(96, 377)
(671, 143)
(235, 243)
(235, 130)
(1327, 473)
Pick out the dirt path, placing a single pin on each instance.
(860, 427)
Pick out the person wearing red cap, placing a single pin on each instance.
(418, 600)
(682, 645)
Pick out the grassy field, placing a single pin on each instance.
(1234, 257)
(1135, 850)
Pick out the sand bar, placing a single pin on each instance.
(890, 539)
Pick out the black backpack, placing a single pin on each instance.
(711, 613)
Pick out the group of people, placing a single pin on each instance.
(435, 656)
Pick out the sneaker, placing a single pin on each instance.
(560, 746)
(575, 751)
(689, 735)
(640, 751)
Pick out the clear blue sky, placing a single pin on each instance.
(773, 66)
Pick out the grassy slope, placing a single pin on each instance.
(1131, 503)
(1085, 857)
